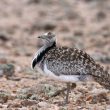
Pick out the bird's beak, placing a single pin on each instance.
(39, 36)
(42, 37)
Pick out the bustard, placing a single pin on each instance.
(68, 64)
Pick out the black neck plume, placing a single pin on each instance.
(40, 56)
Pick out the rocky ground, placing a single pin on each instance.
(84, 24)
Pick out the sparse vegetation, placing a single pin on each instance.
(83, 24)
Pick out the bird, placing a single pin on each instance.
(69, 65)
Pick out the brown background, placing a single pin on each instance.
(84, 24)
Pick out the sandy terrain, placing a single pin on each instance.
(84, 24)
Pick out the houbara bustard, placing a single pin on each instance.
(69, 65)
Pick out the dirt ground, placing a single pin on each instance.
(84, 24)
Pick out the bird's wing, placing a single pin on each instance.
(68, 61)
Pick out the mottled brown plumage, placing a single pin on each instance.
(69, 64)
(69, 61)
(72, 61)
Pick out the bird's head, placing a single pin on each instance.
(48, 37)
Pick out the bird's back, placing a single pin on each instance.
(69, 61)
(72, 61)
(69, 64)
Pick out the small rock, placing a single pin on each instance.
(1, 72)
(101, 16)
(28, 102)
(34, 2)
(105, 60)
(21, 96)
(102, 97)
(3, 37)
(89, 0)
(7, 70)
(49, 26)
(14, 105)
(34, 97)
(1, 106)
(28, 70)
(26, 93)
(14, 78)
(78, 33)
(34, 108)
(3, 60)
(64, 108)
(43, 104)
(49, 90)
(45, 25)
(4, 96)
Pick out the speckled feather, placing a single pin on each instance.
(72, 61)
(68, 61)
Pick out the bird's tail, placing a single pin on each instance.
(102, 76)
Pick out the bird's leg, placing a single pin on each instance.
(67, 95)
(63, 90)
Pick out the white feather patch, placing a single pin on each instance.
(45, 34)
(65, 78)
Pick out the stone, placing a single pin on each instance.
(43, 104)
(3, 60)
(14, 105)
(34, 97)
(4, 96)
(28, 102)
(7, 70)
(49, 90)
(3, 37)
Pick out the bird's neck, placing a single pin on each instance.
(41, 52)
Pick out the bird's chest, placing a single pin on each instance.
(42, 68)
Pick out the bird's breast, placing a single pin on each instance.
(65, 78)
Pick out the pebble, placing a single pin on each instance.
(1, 106)
(4, 96)
(49, 90)
(7, 70)
(27, 93)
(45, 25)
(43, 104)
(3, 60)
(4, 37)
(28, 102)
(34, 97)
(1, 72)
(101, 16)
(34, 1)
(14, 105)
